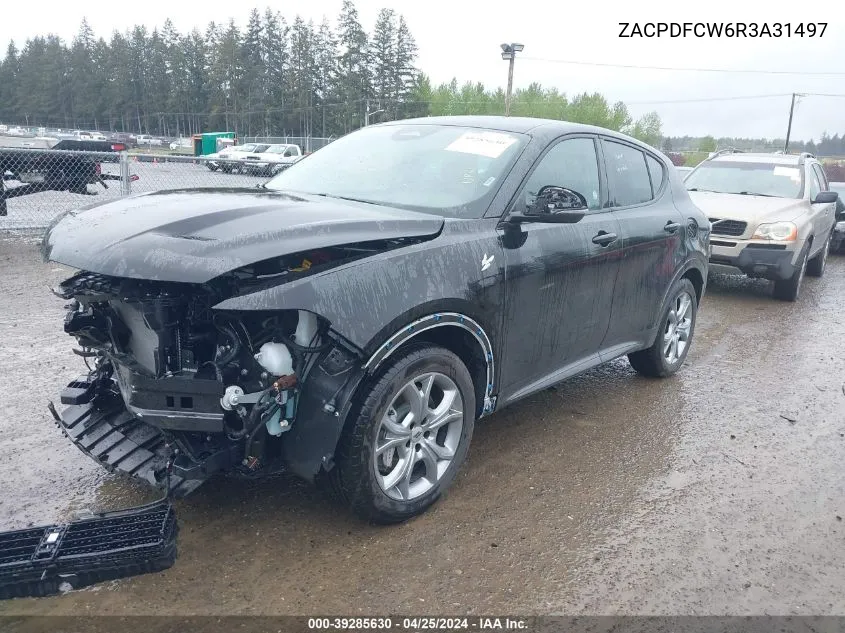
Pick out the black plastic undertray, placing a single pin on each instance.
(46, 560)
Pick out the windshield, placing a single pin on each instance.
(277, 149)
(767, 179)
(445, 170)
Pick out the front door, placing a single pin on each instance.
(559, 277)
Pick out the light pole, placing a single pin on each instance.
(509, 52)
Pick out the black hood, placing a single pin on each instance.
(195, 235)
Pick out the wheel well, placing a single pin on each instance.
(464, 345)
(694, 275)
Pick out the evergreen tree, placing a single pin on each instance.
(404, 70)
(382, 61)
(353, 84)
(276, 63)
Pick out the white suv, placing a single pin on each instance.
(772, 215)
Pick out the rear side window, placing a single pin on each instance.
(655, 170)
(822, 177)
(627, 175)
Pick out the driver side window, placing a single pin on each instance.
(572, 164)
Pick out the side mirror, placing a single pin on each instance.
(555, 205)
(826, 197)
(552, 199)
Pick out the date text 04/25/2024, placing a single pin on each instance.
(419, 624)
(722, 29)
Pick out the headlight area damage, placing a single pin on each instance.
(221, 391)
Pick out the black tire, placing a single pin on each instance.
(816, 266)
(353, 479)
(789, 289)
(653, 362)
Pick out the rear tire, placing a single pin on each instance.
(677, 326)
(418, 416)
(789, 289)
(816, 266)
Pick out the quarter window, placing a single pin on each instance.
(628, 181)
(571, 164)
(655, 170)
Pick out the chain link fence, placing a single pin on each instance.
(38, 185)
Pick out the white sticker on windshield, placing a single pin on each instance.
(489, 144)
(790, 172)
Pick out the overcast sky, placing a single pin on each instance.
(460, 38)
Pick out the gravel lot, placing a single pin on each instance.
(718, 491)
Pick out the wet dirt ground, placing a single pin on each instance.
(718, 491)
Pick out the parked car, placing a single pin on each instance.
(182, 143)
(227, 159)
(837, 243)
(349, 321)
(271, 161)
(772, 216)
(146, 139)
(129, 140)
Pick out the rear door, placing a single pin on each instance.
(560, 277)
(651, 232)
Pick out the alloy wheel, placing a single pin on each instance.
(418, 436)
(676, 332)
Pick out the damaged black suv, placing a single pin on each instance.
(350, 320)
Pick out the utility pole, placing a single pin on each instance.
(789, 127)
(509, 52)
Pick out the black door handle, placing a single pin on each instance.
(671, 227)
(603, 239)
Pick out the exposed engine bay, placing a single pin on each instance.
(177, 381)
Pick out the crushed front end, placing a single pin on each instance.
(171, 380)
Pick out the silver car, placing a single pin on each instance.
(772, 216)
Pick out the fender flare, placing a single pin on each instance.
(429, 322)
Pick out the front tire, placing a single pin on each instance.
(816, 266)
(409, 438)
(673, 341)
(789, 289)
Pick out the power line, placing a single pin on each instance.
(734, 98)
(696, 70)
(706, 99)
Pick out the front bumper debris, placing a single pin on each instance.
(47, 560)
(103, 429)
